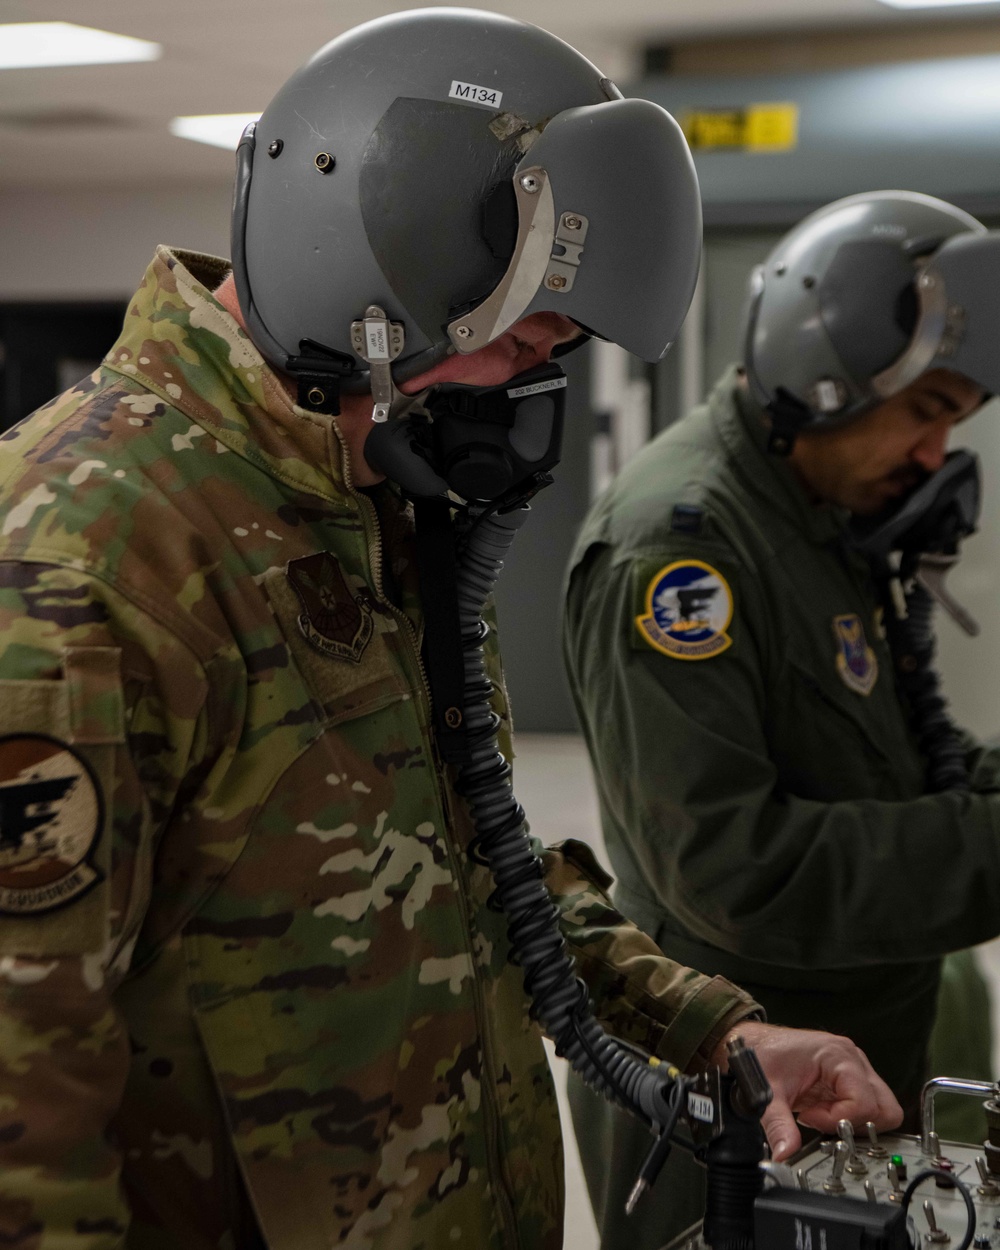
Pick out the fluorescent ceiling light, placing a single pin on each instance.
(933, 4)
(26, 45)
(222, 130)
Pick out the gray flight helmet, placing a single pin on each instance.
(863, 297)
(458, 170)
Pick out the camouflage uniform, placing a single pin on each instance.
(249, 976)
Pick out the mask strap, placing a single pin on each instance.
(437, 572)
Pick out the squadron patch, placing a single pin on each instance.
(334, 619)
(688, 609)
(51, 816)
(857, 663)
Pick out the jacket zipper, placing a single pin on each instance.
(373, 537)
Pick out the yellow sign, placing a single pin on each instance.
(756, 128)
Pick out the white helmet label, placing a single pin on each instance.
(476, 95)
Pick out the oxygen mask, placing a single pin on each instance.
(484, 444)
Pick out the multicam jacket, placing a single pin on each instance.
(249, 978)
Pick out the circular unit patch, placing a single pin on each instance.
(51, 817)
(688, 609)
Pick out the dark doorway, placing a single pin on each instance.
(46, 348)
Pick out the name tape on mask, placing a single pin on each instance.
(536, 388)
(475, 95)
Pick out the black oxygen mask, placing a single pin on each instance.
(919, 540)
(933, 518)
(481, 443)
(912, 548)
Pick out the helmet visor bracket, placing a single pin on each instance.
(526, 271)
(932, 320)
(958, 324)
(609, 231)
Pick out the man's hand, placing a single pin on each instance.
(819, 1077)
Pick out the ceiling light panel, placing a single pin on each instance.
(936, 4)
(31, 45)
(222, 130)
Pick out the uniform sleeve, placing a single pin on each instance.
(99, 718)
(639, 994)
(684, 773)
(983, 761)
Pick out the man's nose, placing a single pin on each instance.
(544, 331)
(932, 449)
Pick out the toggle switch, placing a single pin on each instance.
(989, 1188)
(875, 1148)
(855, 1165)
(936, 1236)
(835, 1184)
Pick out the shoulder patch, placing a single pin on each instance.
(51, 815)
(688, 609)
(857, 663)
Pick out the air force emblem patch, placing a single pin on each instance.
(857, 663)
(688, 609)
(336, 620)
(51, 816)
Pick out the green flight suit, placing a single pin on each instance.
(249, 976)
(761, 793)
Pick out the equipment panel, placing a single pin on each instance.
(877, 1169)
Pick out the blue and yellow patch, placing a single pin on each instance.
(688, 609)
(857, 663)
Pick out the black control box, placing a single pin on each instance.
(788, 1219)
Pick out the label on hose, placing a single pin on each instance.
(701, 1108)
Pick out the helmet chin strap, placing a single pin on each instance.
(379, 341)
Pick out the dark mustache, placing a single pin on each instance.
(907, 476)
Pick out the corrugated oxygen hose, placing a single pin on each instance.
(913, 646)
(559, 998)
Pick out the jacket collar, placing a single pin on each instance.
(181, 344)
(743, 426)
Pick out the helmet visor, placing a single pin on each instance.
(609, 231)
(965, 286)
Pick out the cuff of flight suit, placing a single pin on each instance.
(695, 1033)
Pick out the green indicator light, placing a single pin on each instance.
(897, 1160)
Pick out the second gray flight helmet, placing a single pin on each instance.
(458, 170)
(864, 296)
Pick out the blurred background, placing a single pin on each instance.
(787, 104)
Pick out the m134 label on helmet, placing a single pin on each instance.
(476, 95)
(536, 388)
